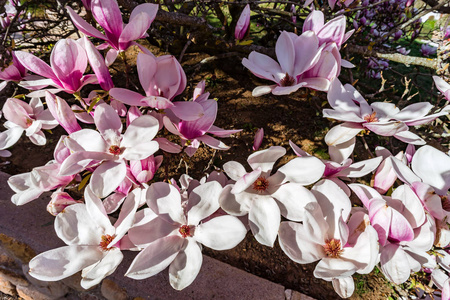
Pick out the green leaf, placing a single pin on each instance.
(84, 182)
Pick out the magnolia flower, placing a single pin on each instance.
(380, 117)
(110, 147)
(68, 62)
(331, 32)
(172, 233)
(427, 50)
(194, 132)
(242, 24)
(29, 118)
(296, 55)
(29, 186)
(162, 78)
(264, 196)
(93, 244)
(342, 248)
(14, 72)
(342, 167)
(117, 35)
(59, 201)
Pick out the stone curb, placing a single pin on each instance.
(27, 230)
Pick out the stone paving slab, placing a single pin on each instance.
(32, 225)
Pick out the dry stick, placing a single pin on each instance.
(127, 68)
(366, 146)
(184, 50)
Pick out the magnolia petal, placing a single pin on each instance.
(403, 172)
(165, 200)
(142, 129)
(246, 181)
(231, 230)
(213, 143)
(107, 177)
(361, 168)
(155, 257)
(264, 219)
(78, 161)
(74, 226)
(187, 111)
(186, 266)
(394, 263)
(150, 229)
(344, 287)
(339, 153)
(103, 268)
(409, 137)
(330, 267)
(84, 26)
(203, 202)
(433, 166)
(295, 243)
(234, 170)
(232, 203)
(263, 90)
(265, 159)
(303, 170)
(96, 210)
(292, 198)
(108, 122)
(63, 262)
(386, 129)
(342, 133)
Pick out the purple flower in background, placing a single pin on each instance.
(428, 50)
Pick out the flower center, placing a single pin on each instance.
(185, 231)
(445, 203)
(114, 149)
(287, 80)
(333, 248)
(371, 118)
(261, 184)
(29, 122)
(106, 240)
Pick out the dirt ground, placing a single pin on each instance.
(296, 117)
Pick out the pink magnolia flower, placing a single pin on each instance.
(29, 186)
(265, 196)
(340, 167)
(30, 118)
(144, 170)
(68, 62)
(162, 78)
(385, 176)
(380, 117)
(59, 201)
(331, 32)
(109, 17)
(14, 72)
(93, 244)
(194, 132)
(442, 86)
(110, 148)
(296, 55)
(243, 23)
(172, 233)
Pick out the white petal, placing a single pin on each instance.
(344, 287)
(165, 200)
(156, 257)
(265, 159)
(220, 233)
(292, 199)
(303, 170)
(107, 177)
(103, 268)
(186, 266)
(264, 219)
(203, 202)
(63, 262)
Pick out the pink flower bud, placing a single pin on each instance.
(242, 24)
(144, 170)
(258, 139)
(59, 201)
